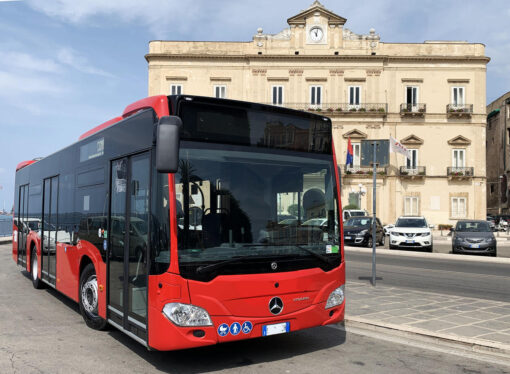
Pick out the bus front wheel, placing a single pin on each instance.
(89, 298)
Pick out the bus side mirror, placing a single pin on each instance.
(167, 144)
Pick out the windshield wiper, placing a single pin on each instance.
(217, 265)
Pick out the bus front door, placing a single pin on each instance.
(22, 224)
(128, 244)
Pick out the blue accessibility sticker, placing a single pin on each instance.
(223, 329)
(246, 327)
(235, 328)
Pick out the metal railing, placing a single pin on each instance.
(363, 170)
(339, 108)
(410, 171)
(454, 171)
(413, 109)
(459, 109)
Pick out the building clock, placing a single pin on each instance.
(316, 34)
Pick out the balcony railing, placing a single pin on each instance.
(460, 172)
(418, 171)
(365, 171)
(407, 109)
(377, 109)
(459, 110)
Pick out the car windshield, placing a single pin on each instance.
(358, 222)
(411, 222)
(472, 226)
(240, 193)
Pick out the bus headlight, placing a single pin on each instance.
(336, 297)
(187, 315)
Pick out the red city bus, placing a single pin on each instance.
(189, 221)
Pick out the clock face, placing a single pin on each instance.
(316, 34)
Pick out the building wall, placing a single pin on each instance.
(383, 70)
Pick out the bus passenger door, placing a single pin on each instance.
(22, 225)
(129, 215)
(49, 230)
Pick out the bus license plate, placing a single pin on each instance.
(277, 328)
(475, 246)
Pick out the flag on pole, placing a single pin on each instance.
(349, 159)
(397, 147)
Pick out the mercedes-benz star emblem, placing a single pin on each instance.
(274, 265)
(276, 305)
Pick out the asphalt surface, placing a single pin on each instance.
(42, 331)
(452, 276)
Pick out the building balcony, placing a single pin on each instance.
(363, 171)
(413, 110)
(459, 110)
(454, 172)
(340, 109)
(409, 172)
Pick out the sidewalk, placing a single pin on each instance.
(482, 324)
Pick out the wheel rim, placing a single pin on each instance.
(89, 295)
(35, 268)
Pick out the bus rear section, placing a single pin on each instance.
(242, 239)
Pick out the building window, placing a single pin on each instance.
(356, 154)
(458, 97)
(412, 98)
(220, 91)
(459, 158)
(176, 89)
(412, 162)
(316, 96)
(492, 189)
(354, 96)
(411, 205)
(459, 207)
(277, 95)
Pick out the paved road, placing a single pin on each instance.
(42, 331)
(455, 277)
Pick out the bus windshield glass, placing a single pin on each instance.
(241, 208)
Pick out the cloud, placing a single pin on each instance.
(24, 61)
(13, 84)
(70, 57)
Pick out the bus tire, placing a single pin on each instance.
(34, 270)
(89, 298)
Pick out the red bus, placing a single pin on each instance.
(189, 221)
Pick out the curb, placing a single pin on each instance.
(443, 256)
(472, 345)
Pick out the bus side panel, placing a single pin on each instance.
(68, 266)
(163, 334)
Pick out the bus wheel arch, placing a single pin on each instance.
(88, 295)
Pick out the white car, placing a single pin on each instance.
(411, 232)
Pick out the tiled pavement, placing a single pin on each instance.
(466, 318)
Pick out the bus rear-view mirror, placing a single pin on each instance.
(167, 144)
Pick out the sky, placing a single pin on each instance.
(69, 65)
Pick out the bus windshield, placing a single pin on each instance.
(250, 205)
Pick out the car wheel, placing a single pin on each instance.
(369, 242)
(392, 247)
(89, 298)
(429, 249)
(34, 270)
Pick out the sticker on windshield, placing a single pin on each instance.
(332, 248)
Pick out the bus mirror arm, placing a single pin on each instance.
(167, 144)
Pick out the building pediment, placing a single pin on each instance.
(355, 134)
(412, 140)
(459, 140)
(300, 19)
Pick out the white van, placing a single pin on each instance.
(354, 213)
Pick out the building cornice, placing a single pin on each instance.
(379, 58)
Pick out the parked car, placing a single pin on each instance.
(411, 232)
(473, 237)
(388, 228)
(358, 231)
(349, 213)
(492, 222)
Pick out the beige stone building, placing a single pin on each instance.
(498, 155)
(430, 96)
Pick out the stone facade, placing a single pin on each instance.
(430, 96)
(498, 155)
